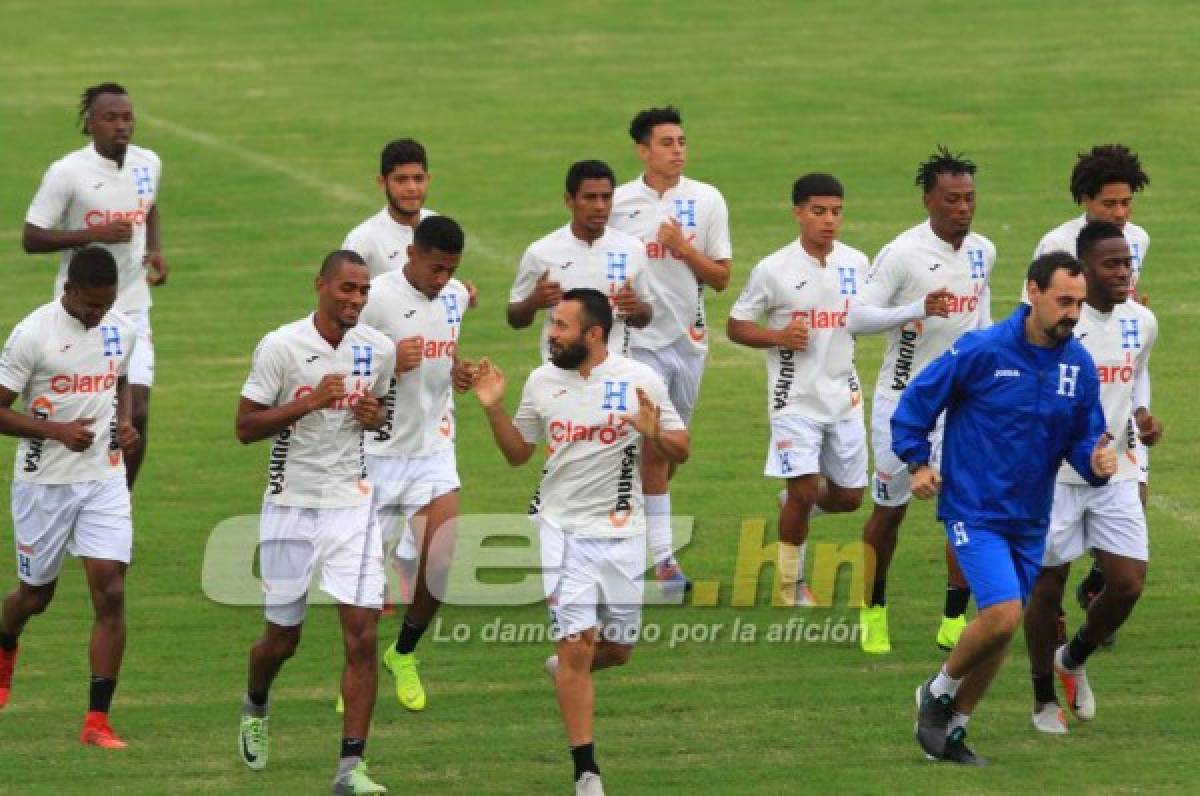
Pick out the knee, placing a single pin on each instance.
(109, 600)
(360, 645)
(283, 644)
(844, 501)
(1004, 618)
(37, 598)
(1126, 587)
(621, 653)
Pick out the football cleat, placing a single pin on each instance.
(950, 630)
(357, 783)
(8, 662)
(1049, 718)
(1080, 698)
(409, 690)
(252, 742)
(873, 625)
(957, 750)
(97, 732)
(933, 720)
(589, 784)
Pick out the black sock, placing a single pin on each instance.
(1043, 688)
(410, 634)
(585, 759)
(100, 693)
(354, 747)
(1093, 582)
(1078, 651)
(956, 601)
(7, 643)
(257, 698)
(879, 592)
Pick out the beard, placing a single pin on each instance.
(1061, 331)
(569, 356)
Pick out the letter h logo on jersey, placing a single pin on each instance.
(978, 269)
(1068, 376)
(847, 281)
(617, 266)
(1130, 336)
(453, 312)
(685, 212)
(110, 336)
(1135, 253)
(143, 180)
(616, 396)
(362, 359)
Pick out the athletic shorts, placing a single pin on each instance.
(836, 450)
(891, 484)
(592, 583)
(998, 566)
(1143, 460)
(345, 543)
(141, 361)
(681, 366)
(1108, 518)
(403, 485)
(88, 519)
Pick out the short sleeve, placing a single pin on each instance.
(49, 206)
(717, 242)
(18, 360)
(528, 272)
(885, 279)
(267, 368)
(527, 420)
(669, 417)
(387, 366)
(751, 304)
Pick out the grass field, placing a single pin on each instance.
(269, 118)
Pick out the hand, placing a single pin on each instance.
(367, 410)
(546, 293)
(157, 268)
(1141, 298)
(76, 435)
(409, 354)
(648, 418)
(1104, 457)
(472, 295)
(670, 234)
(128, 438)
(626, 300)
(462, 374)
(330, 390)
(113, 232)
(937, 303)
(1149, 429)
(926, 482)
(794, 335)
(489, 383)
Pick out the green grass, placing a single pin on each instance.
(269, 118)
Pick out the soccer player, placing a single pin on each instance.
(314, 385)
(685, 226)
(383, 239)
(597, 413)
(107, 194)
(67, 360)
(410, 458)
(925, 289)
(814, 399)
(585, 253)
(1119, 334)
(1019, 398)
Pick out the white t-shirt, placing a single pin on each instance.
(679, 297)
(820, 383)
(913, 265)
(1064, 238)
(64, 372)
(591, 482)
(604, 265)
(85, 190)
(382, 241)
(318, 462)
(420, 402)
(1120, 343)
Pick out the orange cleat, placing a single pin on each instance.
(8, 661)
(96, 732)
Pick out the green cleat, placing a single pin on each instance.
(252, 742)
(339, 707)
(949, 631)
(409, 690)
(874, 628)
(357, 783)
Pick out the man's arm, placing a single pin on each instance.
(257, 421)
(76, 435)
(155, 261)
(714, 273)
(1089, 433)
(545, 294)
(489, 389)
(922, 401)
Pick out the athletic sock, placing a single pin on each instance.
(351, 756)
(1077, 651)
(585, 759)
(658, 526)
(943, 684)
(255, 704)
(100, 694)
(410, 634)
(956, 601)
(8, 643)
(879, 592)
(1043, 688)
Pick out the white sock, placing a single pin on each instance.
(791, 563)
(407, 549)
(956, 721)
(658, 526)
(944, 684)
(815, 512)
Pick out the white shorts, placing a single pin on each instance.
(800, 446)
(891, 484)
(1143, 461)
(1108, 518)
(681, 366)
(592, 583)
(88, 519)
(345, 542)
(141, 361)
(403, 485)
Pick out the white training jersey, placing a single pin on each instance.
(605, 265)
(913, 265)
(318, 461)
(84, 190)
(592, 481)
(383, 241)
(819, 383)
(419, 402)
(679, 297)
(1120, 342)
(64, 372)
(1064, 237)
